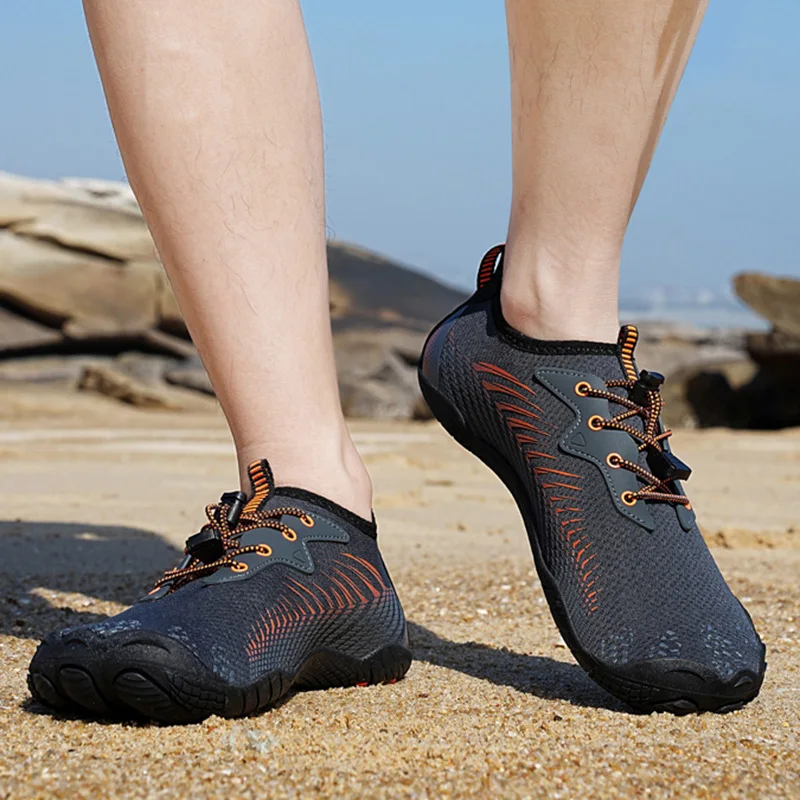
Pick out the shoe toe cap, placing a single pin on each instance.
(110, 672)
(682, 686)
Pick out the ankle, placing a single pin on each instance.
(538, 319)
(548, 297)
(335, 471)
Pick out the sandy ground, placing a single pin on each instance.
(97, 498)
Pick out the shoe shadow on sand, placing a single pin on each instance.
(107, 563)
(530, 674)
(118, 564)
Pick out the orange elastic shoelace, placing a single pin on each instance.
(657, 488)
(229, 535)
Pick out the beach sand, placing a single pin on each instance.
(97, 498)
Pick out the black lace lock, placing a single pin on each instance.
(666, 466)
(647, 382)
(205, 546)
(235, 501)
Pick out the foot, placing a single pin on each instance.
(286, 590)
(573, 431)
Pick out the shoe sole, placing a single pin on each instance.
(641, 696)
(167, 684)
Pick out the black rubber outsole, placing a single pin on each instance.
(641, 696)
(177, 689)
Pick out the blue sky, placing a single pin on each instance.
(415, 102)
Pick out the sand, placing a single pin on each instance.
(97, 498)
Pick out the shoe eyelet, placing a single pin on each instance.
(614, 460)
(308, 521)
(238, 566)
(628, 499)
(264, 550)
(582, 388)
(595, 422)
(289, 535)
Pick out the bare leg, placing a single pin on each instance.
(592, 83)
(218, 120)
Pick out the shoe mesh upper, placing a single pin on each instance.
(642, 595)
(273, 620)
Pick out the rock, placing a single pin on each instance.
(359, 357)
(83, 293)
(113, 383)
(146, 368)
(396, 372)
(776, 299)
(371, 291)
(79, 274)
(775, 392)
(21, 197)
(362, 351)
(65, 370)
(735, 394)
(19, 335)
(773, 399)
(708, 395)
(78, 215)
(407, 345)
(374, 399)
(170, 318)
(775, 351)
(421, 411)
(113, 194)
(390, 391)
(191, 375)
(670, 357)
(169, 345)
(377, 373)
(120, 235)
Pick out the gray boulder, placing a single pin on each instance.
(377, 373)
(116, 384)
(19, 335)
(190, 374)
(776, 299)
(75, 291)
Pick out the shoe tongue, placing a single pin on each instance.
(262, 484)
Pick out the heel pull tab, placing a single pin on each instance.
(262, 485)
(489, 264)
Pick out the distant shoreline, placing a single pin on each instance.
(706, 318)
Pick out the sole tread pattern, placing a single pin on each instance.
(77, 684)
(175, 698)
(140, 692)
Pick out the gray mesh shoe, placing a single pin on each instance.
(283, 591)
(573, 431)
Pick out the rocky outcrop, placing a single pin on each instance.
(79, 277)
(190, 374)
(756, 383)
(709, 394)
(378, 374)
(774, 393)
(114, 383)
(85, 304)
(19, 334)
(80, 294)
(776, 299)
(369, 291)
